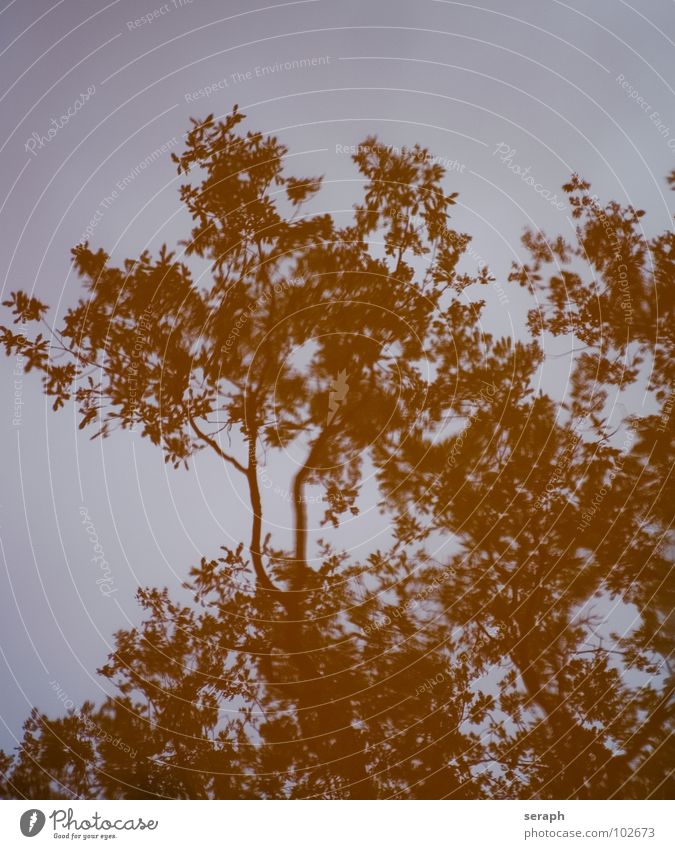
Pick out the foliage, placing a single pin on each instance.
(486, 671)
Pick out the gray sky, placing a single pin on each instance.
(539, 77)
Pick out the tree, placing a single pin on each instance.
(483, 673)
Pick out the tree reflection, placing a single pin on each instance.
(486, 671)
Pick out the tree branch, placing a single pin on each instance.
(213, 444)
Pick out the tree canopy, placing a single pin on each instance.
(469, 658)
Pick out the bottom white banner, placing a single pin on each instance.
(337, 825)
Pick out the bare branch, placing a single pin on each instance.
(213, 444)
